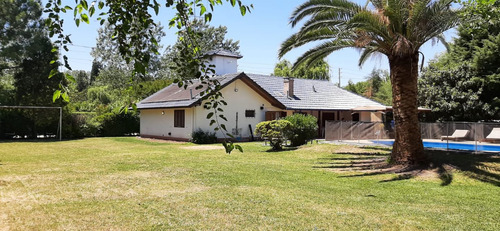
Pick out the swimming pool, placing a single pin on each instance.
(470, 147)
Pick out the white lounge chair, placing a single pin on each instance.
(494, 136)
(457, 135)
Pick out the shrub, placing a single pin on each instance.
(304, 128)
(202, 137)
(118, 124)
(71, 128)
(274, 131)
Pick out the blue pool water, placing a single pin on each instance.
(470, 147)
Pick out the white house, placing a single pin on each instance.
(174, 113)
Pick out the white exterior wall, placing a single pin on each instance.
(238, 101)
(224, 65)
(154, 123)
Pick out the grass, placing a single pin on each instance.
(129, 184)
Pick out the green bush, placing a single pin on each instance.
(274, 131)
(202, 137)
(118, 124)
(71, 126)
(304, 128)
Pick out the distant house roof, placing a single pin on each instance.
(308, 94)
(224, 53)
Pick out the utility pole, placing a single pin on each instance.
(339, 77)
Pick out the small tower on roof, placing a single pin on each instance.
(225, 61)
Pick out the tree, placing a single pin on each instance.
(452, 94)
(396, 29)
(94, 72)
(20, 21)
(463, 84)
(377, 87)
(82, 80)
(207, 37)
(31, 82)
(106, 53)
(320, 70)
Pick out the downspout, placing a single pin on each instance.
(193, 124)
(193, 115)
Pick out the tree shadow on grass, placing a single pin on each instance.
(376, 148)
(484, 167)
(284, 149)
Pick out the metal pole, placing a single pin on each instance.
(357, 127)
(339, 77)
(60, 123)
(475, 137)
(351, 130)
(447, 135)
(341, 130)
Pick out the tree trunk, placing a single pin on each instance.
(408, 148)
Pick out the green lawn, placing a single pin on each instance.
(129, 184)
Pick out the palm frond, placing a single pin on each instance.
(321, 51)
(390, 27)
(366, 54)
(299, 39)
(342, 8)
(436, 18)
(325, 19)
(442, 39)
(369, 22)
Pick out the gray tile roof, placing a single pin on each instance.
(308, 94)
(312, 94)
(223, 53)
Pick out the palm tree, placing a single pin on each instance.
(395, 28)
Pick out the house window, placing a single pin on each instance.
(249, 113)
(274, 115)
(179, 118)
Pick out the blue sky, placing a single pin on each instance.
(260, 34)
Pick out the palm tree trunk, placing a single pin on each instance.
(408, 148)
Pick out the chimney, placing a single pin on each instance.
(288, 87)
(225, 62)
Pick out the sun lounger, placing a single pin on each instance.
(494, 136)
(457, 135)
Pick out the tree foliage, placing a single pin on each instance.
(207, 37)
(107, 53)
(96, 69)
(377, 87)
(20, 23)
(320, 70)
(463, 84)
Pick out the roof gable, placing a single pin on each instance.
(175, 96)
